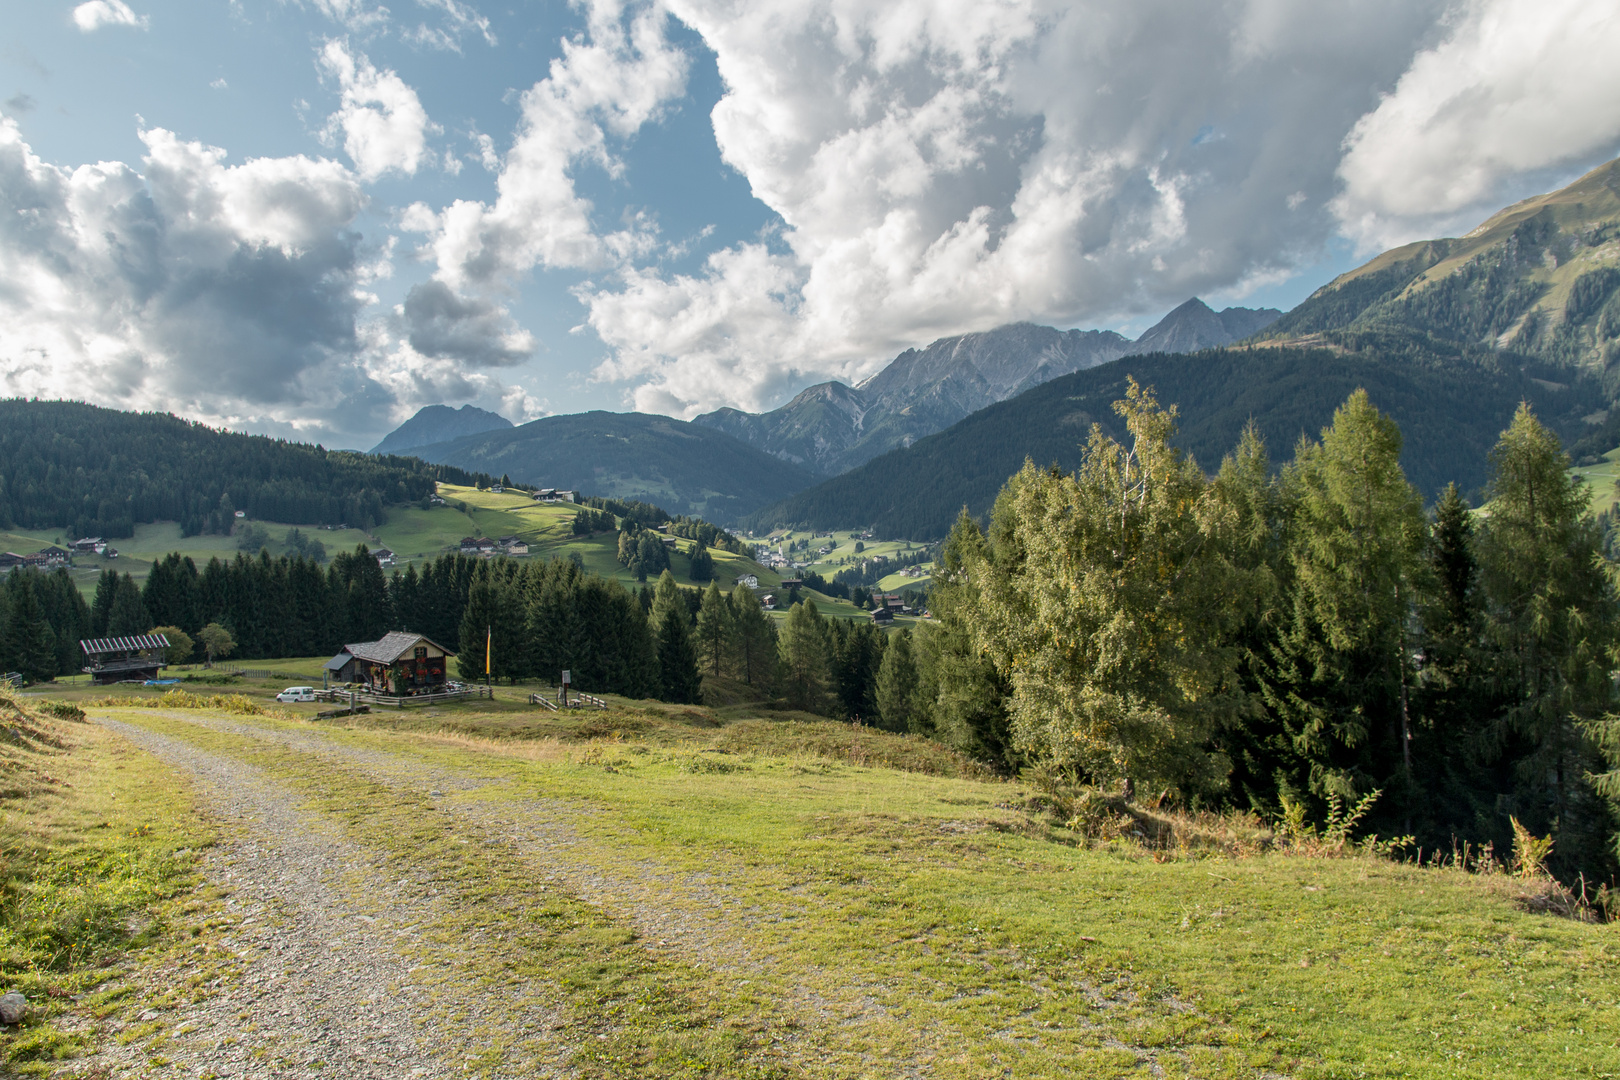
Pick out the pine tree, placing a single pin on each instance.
(702, 564)
(961, 695)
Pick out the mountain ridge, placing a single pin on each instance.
(832, 427)
(685, 468)
(437, 424)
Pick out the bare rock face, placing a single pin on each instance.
(13, 1007)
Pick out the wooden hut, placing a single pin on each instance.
(121, 659)
(397, 664)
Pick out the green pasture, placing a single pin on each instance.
(1601, 479)
(947, 927)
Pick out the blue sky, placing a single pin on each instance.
(311, 217)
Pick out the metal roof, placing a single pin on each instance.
(390, 647)
(97, 646)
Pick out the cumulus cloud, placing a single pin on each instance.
(97, 13)
(949, 165)
(1517, 86)
(231, 293)
(442, 325)
(383, 123)
(608, 82)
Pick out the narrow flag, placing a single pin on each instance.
(489, 641)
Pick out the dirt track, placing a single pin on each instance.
(337, 964)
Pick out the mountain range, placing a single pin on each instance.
(831, 427)
(684, 468)
(1450, 413)
(1445, 333)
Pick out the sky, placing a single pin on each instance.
(309, 218)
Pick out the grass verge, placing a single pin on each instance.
(97, 857)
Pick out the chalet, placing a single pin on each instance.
(545, 494)
(792, 583)
(436, 500)
(893, 602)
(883, 616)
(399, 664)
(122, 659)
(512, 545)
(383, 556)
(498, 490)
(109, 552)
(750, 580)
(55, 556)
(478, 545)
(88, 545)
(668, 541)
(768, 602)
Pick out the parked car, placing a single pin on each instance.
(297, 693)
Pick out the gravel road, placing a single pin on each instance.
(328, 971)
(331, 978)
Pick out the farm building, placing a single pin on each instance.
(398, 663)
(120, 659)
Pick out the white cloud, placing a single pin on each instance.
(459, 20)
(356, 16)
(608, 82)
(231, 293)
(97, 13)
(382, 120)
(1516, 87)
(949, 165)
(220, 84)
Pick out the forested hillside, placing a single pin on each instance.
(1452, 408)
(97, 472)
(685, 468)
(1539, 278)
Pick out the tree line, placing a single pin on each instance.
(99, 472)
(1281, 640)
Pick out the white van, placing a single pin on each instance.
(297, 693)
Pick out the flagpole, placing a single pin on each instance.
(489, 644)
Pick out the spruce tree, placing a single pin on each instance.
(128, 614)
(1552, 625)
(30, 644)
(753, 639)
(713, 628)
(802, 658)
(679, 680)
(101, 606)
(896, 689)
(1341, 676)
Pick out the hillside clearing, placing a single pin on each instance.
(627, 898)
